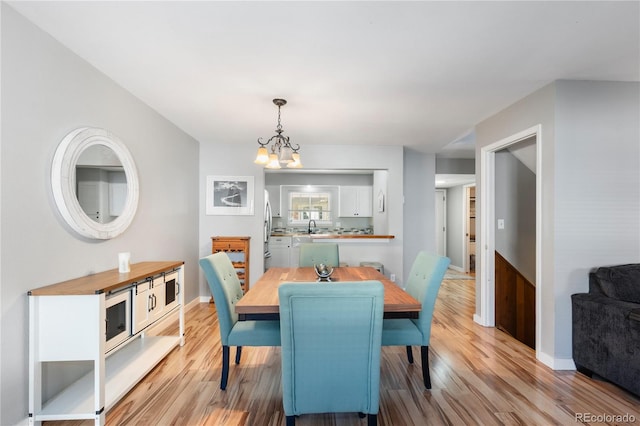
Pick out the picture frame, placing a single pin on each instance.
(229, 195)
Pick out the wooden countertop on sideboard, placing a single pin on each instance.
(102, 282)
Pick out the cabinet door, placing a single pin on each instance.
(348, 201)
(171, 290)
(280, 248)
(274, 199)
(356, 201)
(365, 201)
(157, 298)
(141, 306)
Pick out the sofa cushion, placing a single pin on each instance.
(620, 282)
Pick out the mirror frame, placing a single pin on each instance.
(63, 182)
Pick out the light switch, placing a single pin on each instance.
(500, 223)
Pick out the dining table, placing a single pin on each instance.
(261, 301)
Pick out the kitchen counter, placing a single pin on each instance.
(331, 236)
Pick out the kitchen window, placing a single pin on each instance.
(306, 206)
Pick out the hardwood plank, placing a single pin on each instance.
(480, 376)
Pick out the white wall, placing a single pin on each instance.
(46, 92)
(236, 158)
(590, 190)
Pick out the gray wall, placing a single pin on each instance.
(455, 166)
(419, 205)
(515, 203)
(590, 191)
(48, 91)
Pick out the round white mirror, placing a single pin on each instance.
(95, 183)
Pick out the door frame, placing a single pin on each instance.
(487, 227)
(443, 211)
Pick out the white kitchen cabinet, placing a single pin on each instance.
(280, 248)
(274, 200)
(355, 201)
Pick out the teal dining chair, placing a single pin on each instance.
(423, 284)
(227, 291)
(331, 336)
(317, 253)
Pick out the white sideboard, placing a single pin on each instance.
(67, 322)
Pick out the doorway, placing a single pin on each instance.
(488, 226)
(469, 242)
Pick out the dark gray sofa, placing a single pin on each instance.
(606, 326)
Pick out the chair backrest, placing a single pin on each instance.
(331, 336)
(226, 289)
(423, 283)
(316, 253)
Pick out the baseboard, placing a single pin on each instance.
(457, 268)
(195, 302)
(478, 319)
(556, 363)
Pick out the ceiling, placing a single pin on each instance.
(417, 74)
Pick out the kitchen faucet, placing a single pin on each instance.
(314, 224)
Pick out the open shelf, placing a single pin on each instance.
(123, 369)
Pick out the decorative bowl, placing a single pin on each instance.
(323, 272)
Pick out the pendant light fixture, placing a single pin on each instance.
(282, 152)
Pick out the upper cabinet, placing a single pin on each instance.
(356, 201)
(274, 199)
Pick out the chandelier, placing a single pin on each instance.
(282, 152)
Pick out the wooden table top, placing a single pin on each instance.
(261, 301)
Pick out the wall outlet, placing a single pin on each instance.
(500, 223)
(392, 277)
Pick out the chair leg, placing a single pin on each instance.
(225, 367)
(409, 354)
(291, 420)
(372, 420)
(238, 354)
(424, 354)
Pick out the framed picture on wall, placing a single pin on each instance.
(229, 195)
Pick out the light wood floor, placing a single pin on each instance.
(480, 376)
